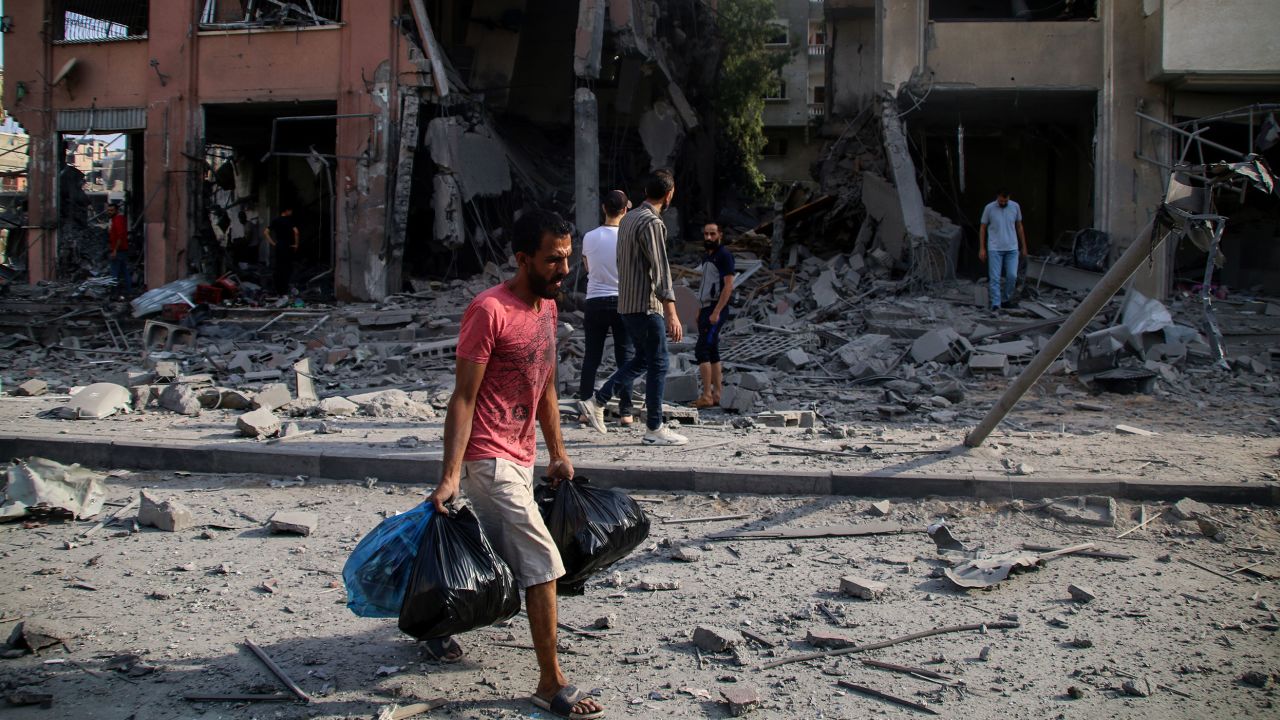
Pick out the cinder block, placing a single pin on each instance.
(862, 588)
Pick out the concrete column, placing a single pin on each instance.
(586, 157)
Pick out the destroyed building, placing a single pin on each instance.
(400, 130)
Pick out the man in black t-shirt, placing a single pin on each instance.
(283, 235)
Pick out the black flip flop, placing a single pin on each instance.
(563, 702)
(440, 650)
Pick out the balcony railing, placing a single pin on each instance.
(817, 50)
(817, 110)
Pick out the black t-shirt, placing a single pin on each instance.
(282, 233)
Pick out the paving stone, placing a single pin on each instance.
(716, 639)
(862, 588)
(296, 523)
(258, 423)
(272, 397)
(181, 399)
(823, 638)
(169, 515)
(31, 388)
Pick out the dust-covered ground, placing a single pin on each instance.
(184, 602)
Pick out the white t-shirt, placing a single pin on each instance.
(600, 248)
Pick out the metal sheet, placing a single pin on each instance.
(102, 120)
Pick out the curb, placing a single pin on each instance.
(410, 466)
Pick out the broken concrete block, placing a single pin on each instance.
(738, 399)
(793, 359)
(882, 508)
(258, 423)
(862, 588)
(808, 419)
(1081, 594)
(31, 388)
(824, 291)
(338, 406)
(1188, 509)
(686, 554)
(306, 385)
(716, 639)
(1087, 509)
(97, 401)
(272, 397)
(1208, 527)
(754, 381)
(983, 363)
(297, 523)
(861, 353)
(823, 638)
(262, 375)
(943, 417)
(169, 515)
(680, 388)
(903, 387)
(1016, 348)
(140, 396)
(392, 403)
(167, 371)
(179, 398)
(943, 345)
(952, 391)
(742, 699)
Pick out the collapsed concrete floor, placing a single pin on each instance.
(146, 617)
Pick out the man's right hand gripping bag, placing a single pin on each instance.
(593, 528)
(458, 583)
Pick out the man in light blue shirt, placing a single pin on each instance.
(1002, 227)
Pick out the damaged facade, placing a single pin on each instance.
(400, 131)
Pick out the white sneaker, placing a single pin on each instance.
(664, 436)
(594, 412)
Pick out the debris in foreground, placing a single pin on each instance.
(37, 485)
(985, 572)
(997, 625)
(886, 696)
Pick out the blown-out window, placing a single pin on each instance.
(98, 20)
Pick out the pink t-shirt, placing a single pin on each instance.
(517, 345)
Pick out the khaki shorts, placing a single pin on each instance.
(502, 494)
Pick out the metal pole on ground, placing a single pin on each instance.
(1138, 251)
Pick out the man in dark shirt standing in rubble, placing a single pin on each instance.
(284, 236)
(647, 304)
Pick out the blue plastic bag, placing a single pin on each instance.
(378, 571)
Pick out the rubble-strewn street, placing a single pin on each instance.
(136, 618)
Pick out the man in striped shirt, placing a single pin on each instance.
(647, 304)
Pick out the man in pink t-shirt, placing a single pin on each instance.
(505, 380)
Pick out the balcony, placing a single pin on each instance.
(817, 50)
(817, 110)
(1180, 50)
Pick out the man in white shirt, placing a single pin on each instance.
(600, 257)
(1000, 237)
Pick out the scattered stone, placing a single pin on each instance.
(755, 381)
(297, 523)
(36, 634)
(650, 583)
(1087, 509)
(31, 388)
(793, 359)
(1133, 689)
(272, 397)
(898, 559)
(179, 398)
(290, 430)
(1075, 693)
(822, 638)
(862, 588)
(742, 699)
(686, 554)
(258, 423)
(1208, 527)
(1188, 509)
(984, 654)
(1081, 594)
(409, 442)
(881, 509)
(1256, 679)
(1081, 643)
(605, 622)
(169, 515)
(716, 639)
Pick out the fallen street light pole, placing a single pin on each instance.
(1139, 250)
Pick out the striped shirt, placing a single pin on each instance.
(644, 276)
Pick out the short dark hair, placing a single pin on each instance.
(1002, 192)
(526, 236)
(615, 203)
(659, 184)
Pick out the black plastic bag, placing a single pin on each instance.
(458, 583)
(593, 527)
(1091, 250)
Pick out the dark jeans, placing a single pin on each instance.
(707, 349)
(602, 318)
(120, 269)
(649, 333)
